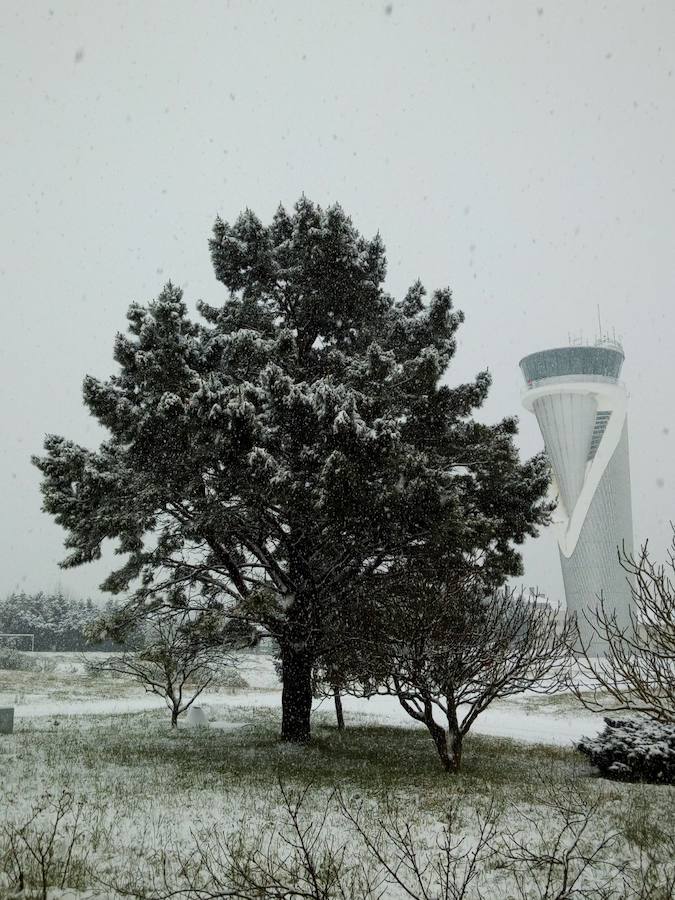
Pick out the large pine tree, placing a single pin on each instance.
(267, 460)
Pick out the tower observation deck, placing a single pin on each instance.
(580, 406)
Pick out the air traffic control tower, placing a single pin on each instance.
(580, 406)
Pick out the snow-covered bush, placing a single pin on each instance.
(634, 750)
(12, 660)
(227, 678)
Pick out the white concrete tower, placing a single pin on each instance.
(580, 406)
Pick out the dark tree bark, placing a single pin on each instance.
(338, 710)
(440, 739)
(174, 717)
(296, 694)
(454, 732)
(437, 732)
(456, 738)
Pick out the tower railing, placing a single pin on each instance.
(566, 379)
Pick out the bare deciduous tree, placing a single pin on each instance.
(637, 672)
(454, 649)
(175, 662)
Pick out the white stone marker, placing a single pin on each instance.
(196, 717)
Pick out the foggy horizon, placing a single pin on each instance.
(521, 154)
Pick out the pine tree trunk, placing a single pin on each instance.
(296, 694)
(338, 710)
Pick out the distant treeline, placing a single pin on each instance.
(57, 621)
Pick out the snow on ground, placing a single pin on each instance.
(154, 795)
(33, 709)
(509, 719)
(526, 718)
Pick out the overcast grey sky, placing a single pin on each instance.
(521, 152)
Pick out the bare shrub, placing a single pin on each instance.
(651, 874)
(336, 847)
(445, 872)
(43, 852)
(637, 673)
(557, 855)
(654, 876)
(568, 853)
(296, 860)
